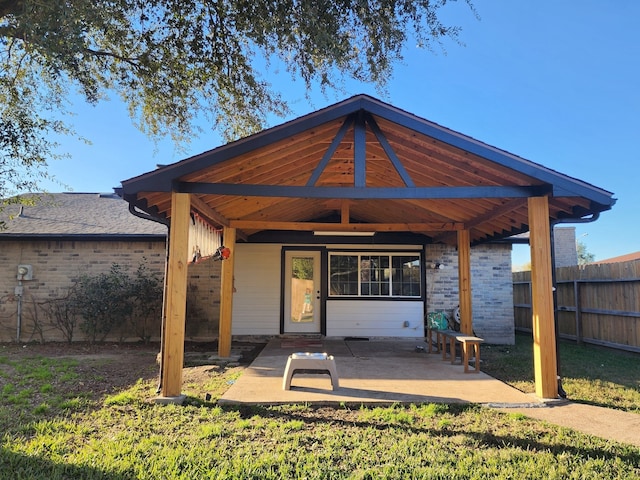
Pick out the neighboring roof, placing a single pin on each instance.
(76, 215)
(362, 161)
(622, 258)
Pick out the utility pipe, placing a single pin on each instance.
(553, 223)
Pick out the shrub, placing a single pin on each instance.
(104, 302)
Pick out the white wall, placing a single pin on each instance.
(357, 318)
(256, 300)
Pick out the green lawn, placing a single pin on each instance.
(590, 374)
(51, 430)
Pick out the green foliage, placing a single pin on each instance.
(590, 374)
(584, 256)
(126, 436)
(110, 300)
(104, 302)
(145, 289)
(175, 62)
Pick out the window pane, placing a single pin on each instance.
(406, 275)
(374, 275)
(380, 275)
(343, 275)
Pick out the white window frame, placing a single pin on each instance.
(359, 255)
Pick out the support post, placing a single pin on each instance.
(544, 335)
(464, 281)
(226, 294)
(176, 296)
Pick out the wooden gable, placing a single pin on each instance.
(366, 166)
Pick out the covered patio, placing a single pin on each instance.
(361, 167)
(370, 372)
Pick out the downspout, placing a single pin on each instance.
(166, 222)
(553, 223)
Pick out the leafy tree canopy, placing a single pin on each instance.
(172, 61)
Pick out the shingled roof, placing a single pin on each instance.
(77, 215)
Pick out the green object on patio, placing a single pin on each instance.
(437, 321)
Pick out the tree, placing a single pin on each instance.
(175, 61)
(584, 257)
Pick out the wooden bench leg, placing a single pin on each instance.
(466, 346)
(477, 356)
(465, 356)
(452, 349)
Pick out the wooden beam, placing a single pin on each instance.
(176, 301)
(359, 151)
(487, 217)
(344, 212)
(544, 335)
(346, 227)
(226, 294)
(388, 149)
(209, 213)
(464, 281)
(212, 216)
(360, 192)
(330, 151)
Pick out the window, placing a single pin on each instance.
(374, 275)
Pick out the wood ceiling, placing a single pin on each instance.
(363, 165)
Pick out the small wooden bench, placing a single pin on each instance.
(467, 343)
(306, 362)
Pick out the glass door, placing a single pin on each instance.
(302, 292)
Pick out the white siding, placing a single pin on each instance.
(360, 318)
(256, 301)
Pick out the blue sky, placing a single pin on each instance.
(555, 82)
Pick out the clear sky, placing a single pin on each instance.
(554, 81)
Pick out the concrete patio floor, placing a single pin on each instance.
(370, 372)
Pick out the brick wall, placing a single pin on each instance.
(565, 250)
(56, 265)
(203, 300)
(491, 288)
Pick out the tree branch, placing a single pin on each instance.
(133, 61)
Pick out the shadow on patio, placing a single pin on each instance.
(370, 372)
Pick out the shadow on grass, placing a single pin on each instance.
(585, 447)
(17, 466)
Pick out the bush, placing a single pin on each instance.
(104, 302)
(146, 296)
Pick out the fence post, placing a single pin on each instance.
(578, 297)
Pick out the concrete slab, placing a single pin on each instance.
(370, 372)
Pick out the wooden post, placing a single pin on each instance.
(176, 301)
(226, 294)
(578, 298)
(544, 335)
(464, 281)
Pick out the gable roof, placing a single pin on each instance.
(76, 215)
(364, 164)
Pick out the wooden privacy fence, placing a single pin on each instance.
(598, 303)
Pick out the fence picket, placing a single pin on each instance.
(597, 303)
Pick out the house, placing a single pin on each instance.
(57, 239)
(62, 236)
(629, 257)
(343, 221)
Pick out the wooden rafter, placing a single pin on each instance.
(346, 227)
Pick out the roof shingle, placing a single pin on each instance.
(76, 214)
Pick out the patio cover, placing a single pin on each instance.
(362, 165)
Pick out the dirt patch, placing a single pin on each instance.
(109, 367)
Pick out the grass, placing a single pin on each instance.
(590, 374)
(124, 435)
